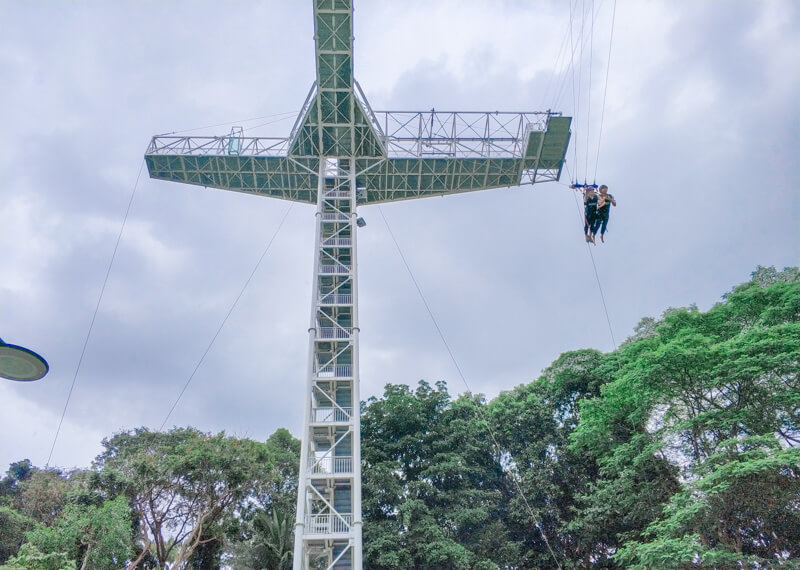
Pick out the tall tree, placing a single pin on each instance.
(31, 558)
(182, 483)
(431, 483)
(677, 426)
(743, 511)
(42, 494)
(96, 538)
(264, 535)
(544, 476)
(13, 526)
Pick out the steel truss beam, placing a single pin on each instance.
(428, 154)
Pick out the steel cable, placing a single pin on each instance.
(605, 89)
(589, 94)
(537, 520)
(222, 324)
(94, 316)
(288, 114)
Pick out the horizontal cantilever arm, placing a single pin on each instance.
(243, 164)
(457, 134)
(427, 154)
(436, 153)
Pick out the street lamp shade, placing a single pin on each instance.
(22, 364)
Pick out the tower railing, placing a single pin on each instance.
(328, 524)
(330, 465)
(336, 299)
(334, 371)
(339, 333)
(218, 146)
(331, 415)
(337, 242)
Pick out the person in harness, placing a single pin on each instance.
(589, 210)
(604, 203)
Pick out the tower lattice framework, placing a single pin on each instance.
(341, 155)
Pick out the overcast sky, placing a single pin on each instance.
(699, 146)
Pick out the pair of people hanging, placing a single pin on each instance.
(596, 210)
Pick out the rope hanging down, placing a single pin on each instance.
(537, 521)
(94, 316)
(222, 324)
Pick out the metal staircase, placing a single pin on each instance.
(328, 526)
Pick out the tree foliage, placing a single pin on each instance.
(182, 484)
(31, 558)
(680, 449)
(698, 416)
(431, 483)
(94, 537)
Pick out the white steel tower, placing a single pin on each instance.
(341, 155)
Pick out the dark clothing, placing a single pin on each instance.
(590, 203)
(606, 208)
(600, 224)
(602, 216)
(590, 214)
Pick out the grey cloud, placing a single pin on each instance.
(506, 272)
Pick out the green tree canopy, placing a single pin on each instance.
(699, 413)
(432, 483)
(182, 483)
(680, 449)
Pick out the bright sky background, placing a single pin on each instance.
(699, 146)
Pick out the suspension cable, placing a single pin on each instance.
(222, 324)
(589, 94)
(288, 114)
(570, 68)
(577, 87)
(581, 61)
(552, 80)
(537, 521)
(94, 315)
(605, 89)
(575, 101)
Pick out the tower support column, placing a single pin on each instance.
(328, 523)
